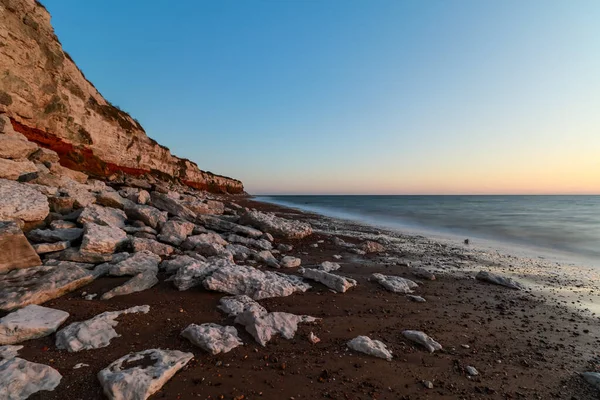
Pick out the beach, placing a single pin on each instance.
(529, 344)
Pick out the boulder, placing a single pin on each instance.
(141, 244)
(147, 214)
(235, 305)
(139, 262)
(175, 232)
(142, 281)
(21, 201)
(7, 352)
(102, 239)
(394, 284)
(193, 273)
(290, 262)
(44, 155)
(278, 227)
(172, 206)
(13, 170)
(173, 265)
(329, 266)
(221, 225)
(55, 235)
(61, 203)
(16, 148)
(257, 284)
(365, 344)
(499, 280)
(422, 339)
(102, 216)
(371, 247)
(110, 198)
(30, 322)
(77, 176)
(37, 285)
(205, 238)
(44, 248)
(75, 255)
(19, 378)
(261, 244)
(264, 326)
(79, 193)
(139, 375)
(93, 333)
(267, 258)
(240, 252)
(213, 338)
(16, 252)
(336, 282)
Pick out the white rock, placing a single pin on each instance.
(337, 256)
(102, 239)
(171, 266)
(193, 273)
(240, 252)
(175, 232)
(147, 214)
(94, 333)
(16, 148)
(499, 280)
(37, 285)
(235, 305)
(264, 326)
(261, 244)
(138, 262)
(290, 262)
(44, 248)
(213, 338)
(423, 274)
(110, 198)
(371, 247)
(416, 299)
(253, 282)
(394, 284)
(336, 282)
(141, 244)
(80, 365)
(130, 377)
(471, 371)
(19, 378)
(140, 282)
(30, 322)
(21, 201)
(9, 351)
(329, 266)
(102, 216)
(278, 227)
(422, 339)
(365, 344)
(313, 338)
(267, 258)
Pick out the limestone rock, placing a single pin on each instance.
(240, 252)
(139, 375)
(75, 255)
(45, 155)
(7, 352)
(371, 247)
(249, 242)
(365, 344)
(423, 274)
(205, 238)
(193, 273)
(15, 250)
(37, 285)
(290, 262)
(21, 201)
(16, 148)
(336, 282)
(416, 299)
(44, 248)
(77, 176)
(12, 170)
(499, 280)
(394, 284)
(19, 378)
(30, 322)
(278, 227)
(137, 263)
(93, 333)
(422, 339)
(102, 216)
(329, 266)
(267, 258)
(142, 281)
(175, 232)
(102, 239)
(110, 198)
(147, 214)
(213, 338)
(141, 244)
(254, 283)
(221, 225)
(172, 206)
(235, 305)
(173, 265)
(264, 326)
(55, 235)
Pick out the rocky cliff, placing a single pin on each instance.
(49, 100)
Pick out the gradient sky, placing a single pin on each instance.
(344, 96)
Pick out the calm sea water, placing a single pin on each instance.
(567, 224)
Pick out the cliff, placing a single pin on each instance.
(49, 100)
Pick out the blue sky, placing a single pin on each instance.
(356, 96)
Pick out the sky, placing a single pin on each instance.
(356, 96)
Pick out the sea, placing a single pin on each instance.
(566, 228)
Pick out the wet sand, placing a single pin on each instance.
(525, 344)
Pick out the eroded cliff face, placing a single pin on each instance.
(50, 101)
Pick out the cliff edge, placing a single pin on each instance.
(49, 100)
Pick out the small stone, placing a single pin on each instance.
(365, 344)
(213, 338)
(471, 371)
(313, 338)
(30, 322)
(44, 248)
(329, 266)
(336, 282)
(16, 252)
(422, 339)
(102, 239)
(428, 384)
(290, 262)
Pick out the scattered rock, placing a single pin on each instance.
(139, 262)
(394, 284)
(290, 262)
(139, 375)
(329, 266)
(256, 243)
(278, 227)
(102, 239)
(80, 365)
(499, 280)
(19, 378)
(161, 249)
(428, 384)
(110, 198)
(175, 232)
(257, 284)
(147, 214)
(365, 344)
(16, 252)
(264, 326)
(15, 170)
(194, 272)
(8, 352)
(422, 339)
(416, 299)
(471, 371)
(267, 258)
(371, 247)
(313, 338)
(172, 206)
(285, 248)
(102, 216)
(30, 322)
(213, 338)
(235, 305)
(336, 282)
(423, 274)
(142, 281)
(21, 201)
(94, 333)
